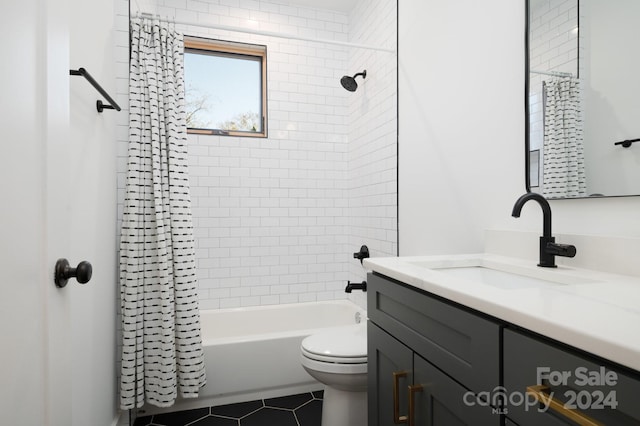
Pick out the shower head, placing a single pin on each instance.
(349, 83)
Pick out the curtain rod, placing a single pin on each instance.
(265, 33)
(552, 73)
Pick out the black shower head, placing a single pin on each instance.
(349, 83)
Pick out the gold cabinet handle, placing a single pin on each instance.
(412, 409)
(539, 393)
(397, 418)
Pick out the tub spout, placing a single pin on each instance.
(355, 286)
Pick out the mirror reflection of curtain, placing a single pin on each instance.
(563, 151)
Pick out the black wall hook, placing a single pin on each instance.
(64, 272)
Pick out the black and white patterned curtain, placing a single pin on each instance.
(563, 150)
(162, 345)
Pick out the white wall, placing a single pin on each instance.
(461, 144)
(461, 147)
(93, 215)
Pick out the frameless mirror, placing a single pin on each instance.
(583, 98)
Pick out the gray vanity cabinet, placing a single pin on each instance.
(426, 358)
(432, 362)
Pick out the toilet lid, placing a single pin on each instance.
(346, 343)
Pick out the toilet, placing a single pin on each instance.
(338, 359)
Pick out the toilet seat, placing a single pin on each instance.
(334, 359)
(341, 345)
(333, 367)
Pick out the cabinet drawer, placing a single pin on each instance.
(463, 345)
(598, 391)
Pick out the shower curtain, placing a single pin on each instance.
(563, 148)
(161, 342)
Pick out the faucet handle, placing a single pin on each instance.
(362, 254)
(564, 250)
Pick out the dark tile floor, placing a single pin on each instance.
(304, 409)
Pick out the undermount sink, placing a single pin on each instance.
(496, 278)
(503, 276)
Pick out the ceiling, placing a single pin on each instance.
(344, 6)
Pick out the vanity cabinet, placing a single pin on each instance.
(428, 359)
(434, 362)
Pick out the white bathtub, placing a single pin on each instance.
(254, 352)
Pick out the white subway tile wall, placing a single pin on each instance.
(277, 219)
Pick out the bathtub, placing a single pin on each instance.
(254, 352)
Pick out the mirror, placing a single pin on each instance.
(583, 98)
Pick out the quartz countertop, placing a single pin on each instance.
(594, 311)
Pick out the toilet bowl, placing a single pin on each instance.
(338, 359)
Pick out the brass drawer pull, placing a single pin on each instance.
(397, 418)
(539, 393)
(412, 391)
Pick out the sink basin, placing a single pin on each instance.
(497, 278)
(503, 276)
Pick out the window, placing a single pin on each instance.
(225, 87)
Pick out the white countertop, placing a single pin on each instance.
(600, 315)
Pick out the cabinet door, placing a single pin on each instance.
(444, 402)
(389, 375)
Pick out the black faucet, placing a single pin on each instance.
(548, 247)
(355, 286)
